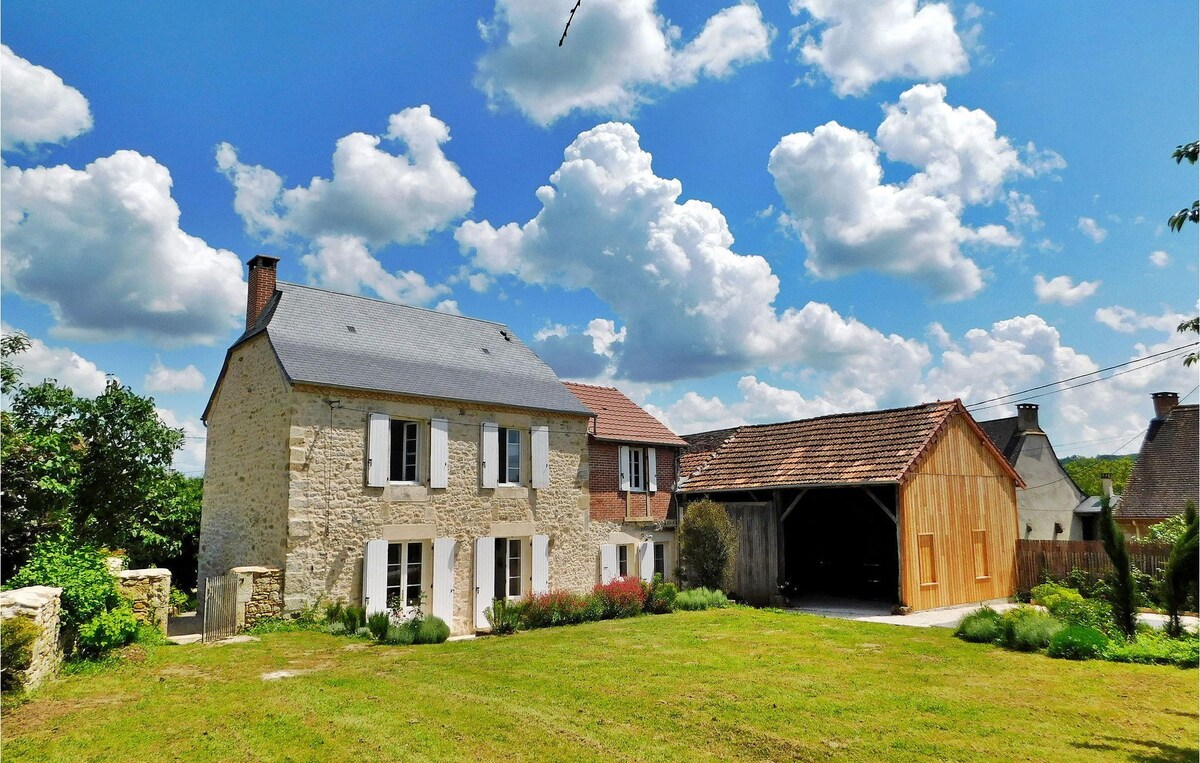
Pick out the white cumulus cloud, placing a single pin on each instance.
(861, 42)
(689, 304)
(189, 459)
(41, 362)
(1063, 290)
(163, 379)
(38, 106)
(616, 54)
(102, 247)
(1090, 228)
(345, 264)
(1160, 259)
(1128, 321)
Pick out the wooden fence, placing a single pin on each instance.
(1038, 560)
(220, 607)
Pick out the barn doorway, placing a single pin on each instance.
(841, 543)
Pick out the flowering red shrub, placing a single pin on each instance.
(623, 597)
(559, 608)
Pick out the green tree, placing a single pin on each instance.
(708, 545)
(1086, 472)
(1124, 586)
(1191, 152)
(1179, 576)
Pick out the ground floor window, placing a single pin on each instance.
(510, 568)
(660, 560)
(405, 574)
(622, 561)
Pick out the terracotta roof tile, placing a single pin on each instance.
(848, 448)
(620, 419)
(1165, 475)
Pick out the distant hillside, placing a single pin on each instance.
(1086, 471)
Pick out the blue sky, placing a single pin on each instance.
(748, 212)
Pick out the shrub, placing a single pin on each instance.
(398, 635)
(378, 623)
(1077, 642)
(109, 630)
(1050, 595)
(429, 630)
(17, 635)
(503, 616)
(708, 544)
(981, 626)
(353, 618)
(1069, 607)
(623, 597)
(700, 598)
(333, 611)
(80, 570)
(336, 628)
(1156, 648)
(556, 608)
(660, 596)
(363, 632)
(1027, 629)
(181, 601)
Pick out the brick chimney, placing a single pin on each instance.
(261, 287)
(1027, 418)
(1164, 402)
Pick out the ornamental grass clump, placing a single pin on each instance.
(429, 630)
(504, 617)
(694, 599)
(983, 626)
(1027, 629)
(1077, 642)
(623, 597)
(379, 623)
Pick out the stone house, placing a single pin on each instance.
(1052, 506)
(633, 461)
(387, 454)
(1166, 474)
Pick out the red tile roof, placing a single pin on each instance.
(843, 449)
(620, 419)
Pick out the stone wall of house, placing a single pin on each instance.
(259, 594)
(333, 513)
(42, 605)
(610, 503)
(150, 593)
(244, 520)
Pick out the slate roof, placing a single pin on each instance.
(340, 340)
(1003, 434)
(843, 449)
(620, 419)
(1165, 474)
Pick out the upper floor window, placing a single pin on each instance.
(510, 456)
(407, 452)
(405, 439)
(638, 469)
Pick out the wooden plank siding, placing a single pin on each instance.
(1039, 560)
(756, 569)
(958, 490)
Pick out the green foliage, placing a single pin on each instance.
(1086, 472)
(107, 631)
(17, 635)
(708, 544)
(80, 570)
(1124, 585)
(1179, 576)
(429, 630)
(1069, 607)
(148, 635)
(10, 373)
(333, 611)
(353, 617)
(1077, 642)
(503, 616)
(336, 628)
(1155, 648)
(694, 599)
(556, 608)
(181, 601)
(1027, 629)
(378, 623)
(399, 635)
(660, 596)
(982, 626)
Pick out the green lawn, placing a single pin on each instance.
(716, 685)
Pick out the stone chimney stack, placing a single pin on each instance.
(261, 286)
(1106, 484)
(1027, 418)
(1164, 402)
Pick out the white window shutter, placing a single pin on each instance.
(489, 454)
(623, 458)
(652, 470)
(541, 564)
(608, 563)
(379, 435)
(646, 560)
(375, 576)
(485, 579)
(540, 451)
(443, 579)
(439, 453)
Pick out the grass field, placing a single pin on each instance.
(716, 685)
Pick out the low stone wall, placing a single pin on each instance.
(150, 593)
(41, 604)
(259, 594)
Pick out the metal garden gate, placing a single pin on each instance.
(220, 607)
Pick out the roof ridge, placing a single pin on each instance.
(594, 386)
(390, 303)
(846, 414)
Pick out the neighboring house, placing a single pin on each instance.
(382, 453)
(632, 463)
(912, 505)
(1164, 477)
(1051, 506)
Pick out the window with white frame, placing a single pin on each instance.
(405, 574)
(404, 451)
(510, 568)
(637, 470)
(510, 456)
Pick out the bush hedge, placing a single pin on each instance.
(981, 626)
(1077, 642)
(700, 598)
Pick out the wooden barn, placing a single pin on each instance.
(913, 506)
